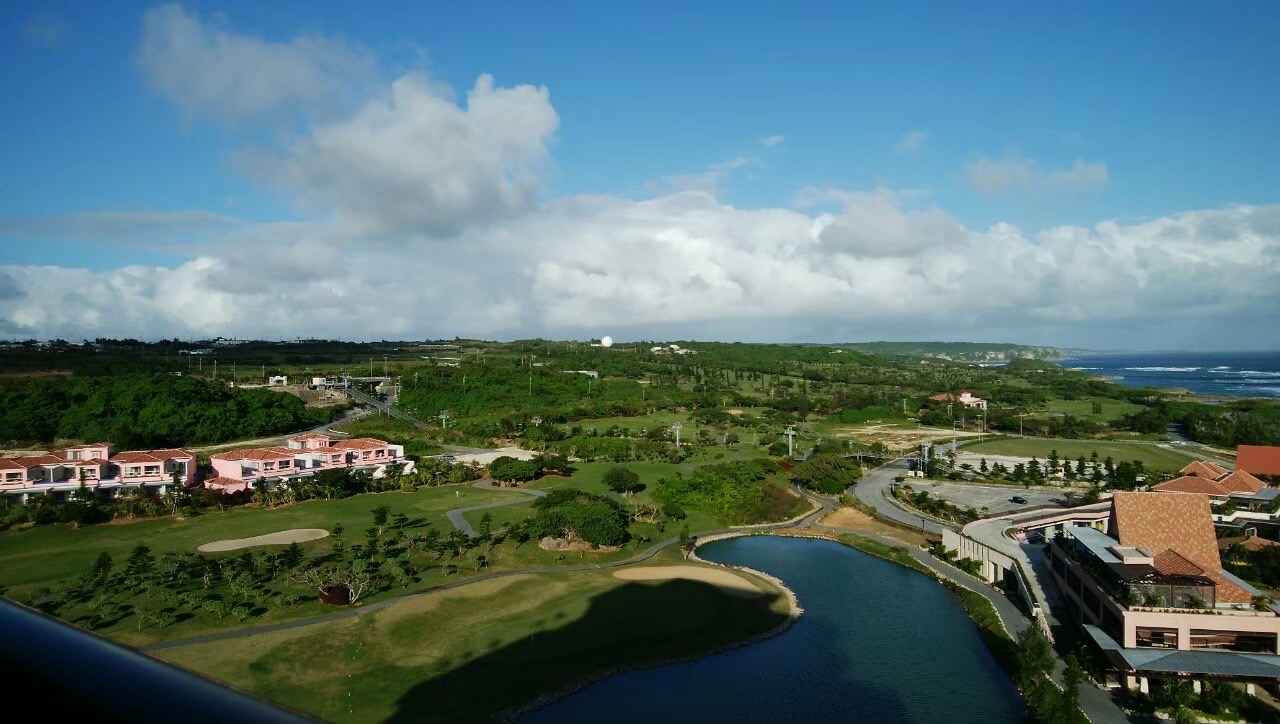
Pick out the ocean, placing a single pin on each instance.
(1222, 374)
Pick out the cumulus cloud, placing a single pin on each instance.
(207, 70)
(992, 177)
(419, 162)
(911, 141)
(683, 261)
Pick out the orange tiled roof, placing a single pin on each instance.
(1174, 527)
(171, 454)
(1192, 484)
(359, 443)
(11, 464)
(1158, 522)
(34, 461)
(1251, 543)
(310, 436)
(220, 482)
(1172, 563)
(1239, 481)
(135, 456)
(257, 453)
(1204, 469)
(1258, 459)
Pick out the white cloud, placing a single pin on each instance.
(1082, 176)
(709, 181)
(418, 162)
(911, 141)
(208, 70)
(772, 141)
(994, 177)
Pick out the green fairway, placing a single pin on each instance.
(467, 653)
(48, 555)
(1152, 456)
(1083, 409)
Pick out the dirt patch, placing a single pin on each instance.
(284, 537)
(854, 519)
(730, 583)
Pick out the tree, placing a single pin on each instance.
(100, 574)
(982, 466)
(686, 542)
(292, 556)
(1034, 657)
(380, 515)
(622, 481)
(486, 525)
(826, 473)
(140, 565)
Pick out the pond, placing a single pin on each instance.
(877, 643)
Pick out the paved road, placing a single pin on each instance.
(873, 489)
(456, 516)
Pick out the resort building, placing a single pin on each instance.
(60, 472)
(964, 398)
(1238, 498)
(1259, 459)
(1152, 594)
(302, 456)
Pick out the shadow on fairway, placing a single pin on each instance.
(632, 625)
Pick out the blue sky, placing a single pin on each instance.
(1035, 116)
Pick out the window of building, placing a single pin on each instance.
(1246, 641)
(132, 472)
(75, 455)
(1157, 638)
(284, 463)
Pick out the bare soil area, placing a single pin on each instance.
(730, 583)
(854, 519)
(284, 537)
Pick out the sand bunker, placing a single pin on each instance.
(730, 583)
(284, 537)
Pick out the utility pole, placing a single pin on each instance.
(371, 367)
(676, 426)
(791, 441)
(215, 369)
(982, 426)
(384, 366)
(444, 419)
(1020, 416)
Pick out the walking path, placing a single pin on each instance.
(456, 516)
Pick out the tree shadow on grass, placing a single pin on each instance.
(633, 625)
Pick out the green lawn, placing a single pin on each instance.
(48, 555)
(1152, 457)
(467, 653)
(1083, 409)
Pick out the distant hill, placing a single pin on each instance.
(969, 352)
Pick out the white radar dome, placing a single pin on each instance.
(606, 342)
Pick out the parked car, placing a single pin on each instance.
(1018, 499)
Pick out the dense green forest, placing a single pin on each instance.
(145, 411)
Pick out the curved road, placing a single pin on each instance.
(873, 489)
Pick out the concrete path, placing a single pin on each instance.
(456, 516)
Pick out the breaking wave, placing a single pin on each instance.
(1162, 369)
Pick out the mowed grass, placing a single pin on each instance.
(48, 555)
(1153, 457)
(1083, 409)
(467, 653)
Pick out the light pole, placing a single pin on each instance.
(676, 426)
(1020, 416)
(982, 426)
(371, 367)
(791, 441)
(444, 419)
(384, 366)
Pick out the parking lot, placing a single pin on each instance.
(994, 498)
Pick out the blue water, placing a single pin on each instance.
(877, 643)
(1234, 374)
